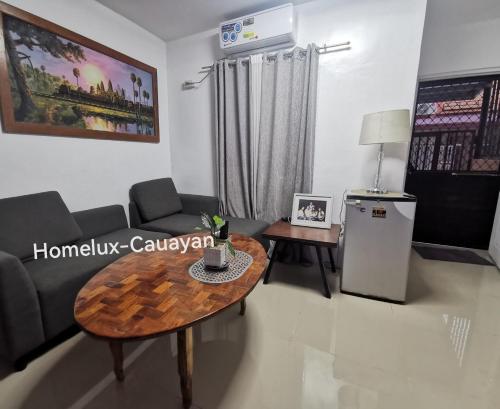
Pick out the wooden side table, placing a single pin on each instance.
(282, 232)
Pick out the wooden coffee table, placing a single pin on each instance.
(282, 232)
(145, 295)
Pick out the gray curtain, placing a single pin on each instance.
(261, 167)
(287, 126)
(233, 137)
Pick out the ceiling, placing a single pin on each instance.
(455, 12)
(171, 19)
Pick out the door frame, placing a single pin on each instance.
(443, 76)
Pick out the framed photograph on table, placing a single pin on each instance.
(312, 210)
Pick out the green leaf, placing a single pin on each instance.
(219, 222)
(230, 248)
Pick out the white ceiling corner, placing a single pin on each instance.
(172, 19)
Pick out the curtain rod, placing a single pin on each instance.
(325, 49)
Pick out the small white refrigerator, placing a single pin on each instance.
(377, 244)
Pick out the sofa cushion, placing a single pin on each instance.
(101, 220)
(176, 224)
(58, 281)
(180, 223)
(156, 198)
(247, 227)
(38, 218)
(195, 204)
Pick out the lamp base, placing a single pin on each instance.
(377, 190)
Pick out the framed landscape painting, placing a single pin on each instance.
(57, 82)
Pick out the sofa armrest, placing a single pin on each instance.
(135, 216)
(21, 328)
(102, 220)
(195, 204)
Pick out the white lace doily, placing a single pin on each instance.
(237, 267)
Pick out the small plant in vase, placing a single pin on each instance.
(216, 256)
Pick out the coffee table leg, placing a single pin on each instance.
(185, 364)
(328, 294)
(243, 306)
(117, 352)
(271, 262)
(332, 261)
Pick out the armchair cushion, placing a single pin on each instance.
(176, 224)
(248, 227)
(37, 218)
(182, 223)
(156, 198)
(195, 204)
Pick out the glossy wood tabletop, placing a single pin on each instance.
(148, 294)
(281, 230)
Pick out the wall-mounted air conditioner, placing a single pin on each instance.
(265, 29)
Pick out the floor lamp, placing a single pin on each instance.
(384, 127)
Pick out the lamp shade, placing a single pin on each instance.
(386, 127)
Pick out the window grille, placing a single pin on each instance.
(457, 126)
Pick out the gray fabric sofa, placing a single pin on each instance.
(155, 205)
(37, 295)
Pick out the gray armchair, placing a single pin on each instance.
(155, 205)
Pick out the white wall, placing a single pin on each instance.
(89, 173)
(455, 46)
(378, 73)
(191, 113)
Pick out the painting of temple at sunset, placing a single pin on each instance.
(55, 81)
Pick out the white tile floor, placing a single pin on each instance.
(296, 349)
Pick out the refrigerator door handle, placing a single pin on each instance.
(353, 202)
